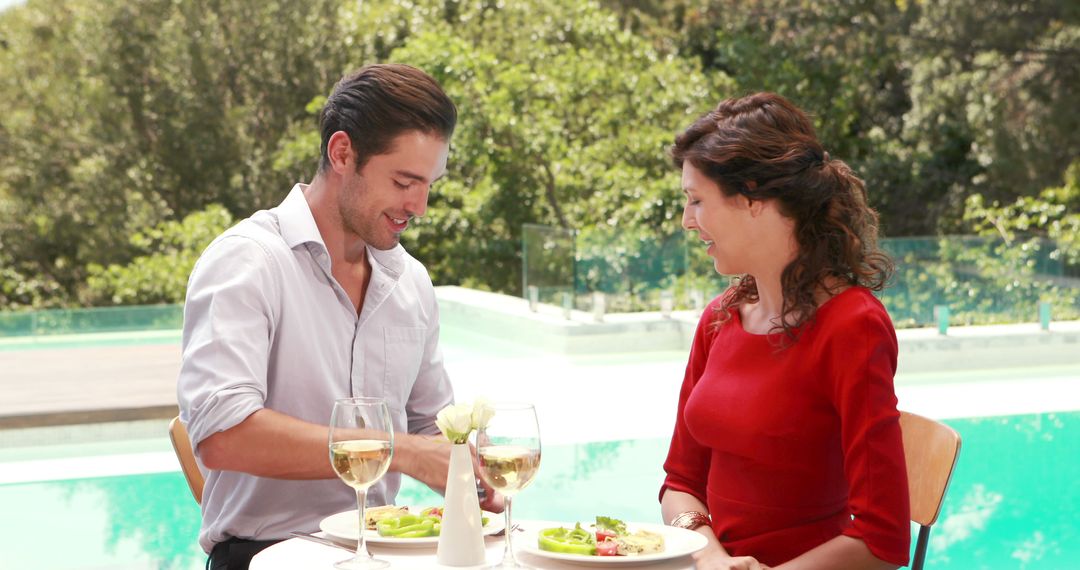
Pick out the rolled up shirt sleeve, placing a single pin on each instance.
(228, 330)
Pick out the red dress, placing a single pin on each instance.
(791, 447)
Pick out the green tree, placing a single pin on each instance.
(1052, 215)
(60, 202)
(120, 115)
(930, 101)
(842, 62)
(1023, 253)
(993, 89)
(564, 120)
(159, 274)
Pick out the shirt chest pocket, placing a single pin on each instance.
(404, 351)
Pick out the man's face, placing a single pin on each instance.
(377, 202)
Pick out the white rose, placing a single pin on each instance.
(481, 413)
(455, 421)
(443, 421)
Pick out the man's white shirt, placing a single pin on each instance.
(267, 326)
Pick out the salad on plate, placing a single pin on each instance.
(392, 521)
(397, 526)
(609, 537)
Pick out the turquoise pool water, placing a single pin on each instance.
(1012, 504)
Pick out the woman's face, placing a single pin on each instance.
(723, 223)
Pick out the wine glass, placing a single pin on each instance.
(509, 452)
(361, 445)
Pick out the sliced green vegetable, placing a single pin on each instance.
(409, 526)
(611, 524)
(432, 512)
(564, 540)
(413, 526)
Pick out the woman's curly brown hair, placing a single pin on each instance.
(764, 147)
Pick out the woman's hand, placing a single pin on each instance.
(714, 558)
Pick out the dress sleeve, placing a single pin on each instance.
(687, 464)
(228, 325)
(863, 354)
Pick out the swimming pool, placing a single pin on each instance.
(1012, 504)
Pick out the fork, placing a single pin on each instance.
(502, 531)
(328, 542)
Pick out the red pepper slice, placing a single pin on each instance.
(603, 534)
(607, 548)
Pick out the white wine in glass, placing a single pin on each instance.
(361, 445)
(508, 449)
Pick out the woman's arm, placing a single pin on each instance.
(862, 364)
(841, 552)
(676, 502)
(687, 464)
(713, 556)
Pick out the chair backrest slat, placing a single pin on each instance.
(931, 449)
(182, 446)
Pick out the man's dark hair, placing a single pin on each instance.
(379, 102)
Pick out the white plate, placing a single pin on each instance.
(343, 526)
(677, 542)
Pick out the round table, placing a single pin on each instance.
(294, 554)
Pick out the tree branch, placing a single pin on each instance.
(549, 193)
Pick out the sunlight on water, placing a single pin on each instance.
(969, 519)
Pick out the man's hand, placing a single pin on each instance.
(427, 459)
(490, 500)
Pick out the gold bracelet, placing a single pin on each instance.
(691, 520)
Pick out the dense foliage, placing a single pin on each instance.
(134, 130)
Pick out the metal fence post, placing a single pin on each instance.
(534, 298)
(667, 303)
(1044, 315)
(941, 315)
(697, 300)
(599, 306)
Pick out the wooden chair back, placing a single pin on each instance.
(182, 446)
(931, 449)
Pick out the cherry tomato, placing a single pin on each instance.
(607, 548)
(604, 534)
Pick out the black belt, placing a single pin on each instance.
(236, 553)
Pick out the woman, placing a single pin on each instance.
(787, 450)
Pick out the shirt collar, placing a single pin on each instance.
(298, 227)
(295, 219)
(392, 260)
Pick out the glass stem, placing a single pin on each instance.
(361, 547)
(508, 552)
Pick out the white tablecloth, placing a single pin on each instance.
(297, 554)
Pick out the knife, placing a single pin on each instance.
(321, 540)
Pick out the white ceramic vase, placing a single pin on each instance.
(461, 540)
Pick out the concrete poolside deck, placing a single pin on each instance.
(87, 384)
(83, 379)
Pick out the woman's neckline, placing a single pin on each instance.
(739, 322)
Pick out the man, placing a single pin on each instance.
(316, 300)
